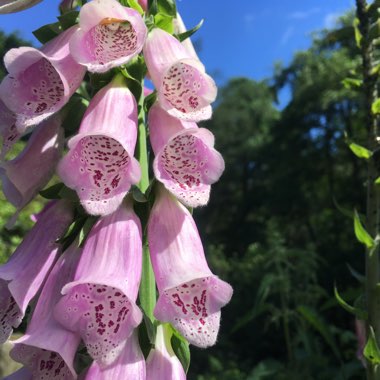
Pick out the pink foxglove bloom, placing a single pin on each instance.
(162, 363)
(129, 365)
(110, 35)
(47, 349)
(22, 276)
(24, 176)
(100, 302)
(179, 27)
(11, 6)
(40, 82)
(8, 131)
(100, 165)
(144, 4)
(190, 295)
(184, 89)
(22, 374)
(185, 159)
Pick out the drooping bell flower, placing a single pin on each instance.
(8, 131)
(185, 159)
(99, 303)
(40, 82)
(21, 374)
(24, 176)
(12, 6)
(129, 365)
(47, 349)
(162, 363)
(184, 89)
(100, 165)
(191, 296)
(22, 276)
(110, 35)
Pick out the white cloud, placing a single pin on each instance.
(287, 35)
(302, 15)
(330, 19)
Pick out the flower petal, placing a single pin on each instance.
(12, 6)
(100, 303)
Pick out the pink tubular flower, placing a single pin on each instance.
(185, 160)
(129, 365)
(190, 295)
(162, 363)
(40, 82)
(144, 4)
(184, 89)
(8, 131)
(100, 165)
(22, 276)
(47, 349)
(100, 302)
(11, 6)
(109, 35)
(24, 176)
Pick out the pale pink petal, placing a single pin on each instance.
(162, 363)
(184, 89)
(185, 159)
(47, 349)
(24, 176)
(129, 365)
(100, 302)
(100, 165)
(40, 82)
(110, 35)
(179, 27)
(8, 131)
(190, 295)
(22, 276)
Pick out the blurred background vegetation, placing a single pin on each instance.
(273, 228)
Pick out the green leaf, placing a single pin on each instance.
(138, 195)
(189, 32)
(356, 274)
(361, 234)
(52, 192)
(85, 230)
(322, 327)
(343, 210)
(371, 350)
(350, 83)
(66, 193)
(73, 113)
(358, 34)
(135, 5)
(167, 7)
(149, 101)
(359, 313)
(375, 108)
(377, 181)
(360, 151)
(181, 348)
(164, 21)
(48, 32)
(68, 19)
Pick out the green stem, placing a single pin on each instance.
(373, 196)
(147, 293)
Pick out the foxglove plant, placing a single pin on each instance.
(110, 234)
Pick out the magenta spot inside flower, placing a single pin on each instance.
(102, 318)
(190, 308)
(10, 313)
(39, 89)
(109, 41)
(43, 364)
(102, 161)
(185, 88)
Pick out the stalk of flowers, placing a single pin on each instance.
(91, 293)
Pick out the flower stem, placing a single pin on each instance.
(147, 293)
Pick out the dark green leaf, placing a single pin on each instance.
(73, 113)
(47, 32)
(375, 108)
(371, 350)
(149, 101)
(360, 232)
(167, 7)
(85, 230)
(52, 192)
(138, 195)
(68, 19)
(66, 193)
(359, 313)
(356, 274)
(181, 348)
(189, 32)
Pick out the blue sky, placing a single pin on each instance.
(238, 38)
